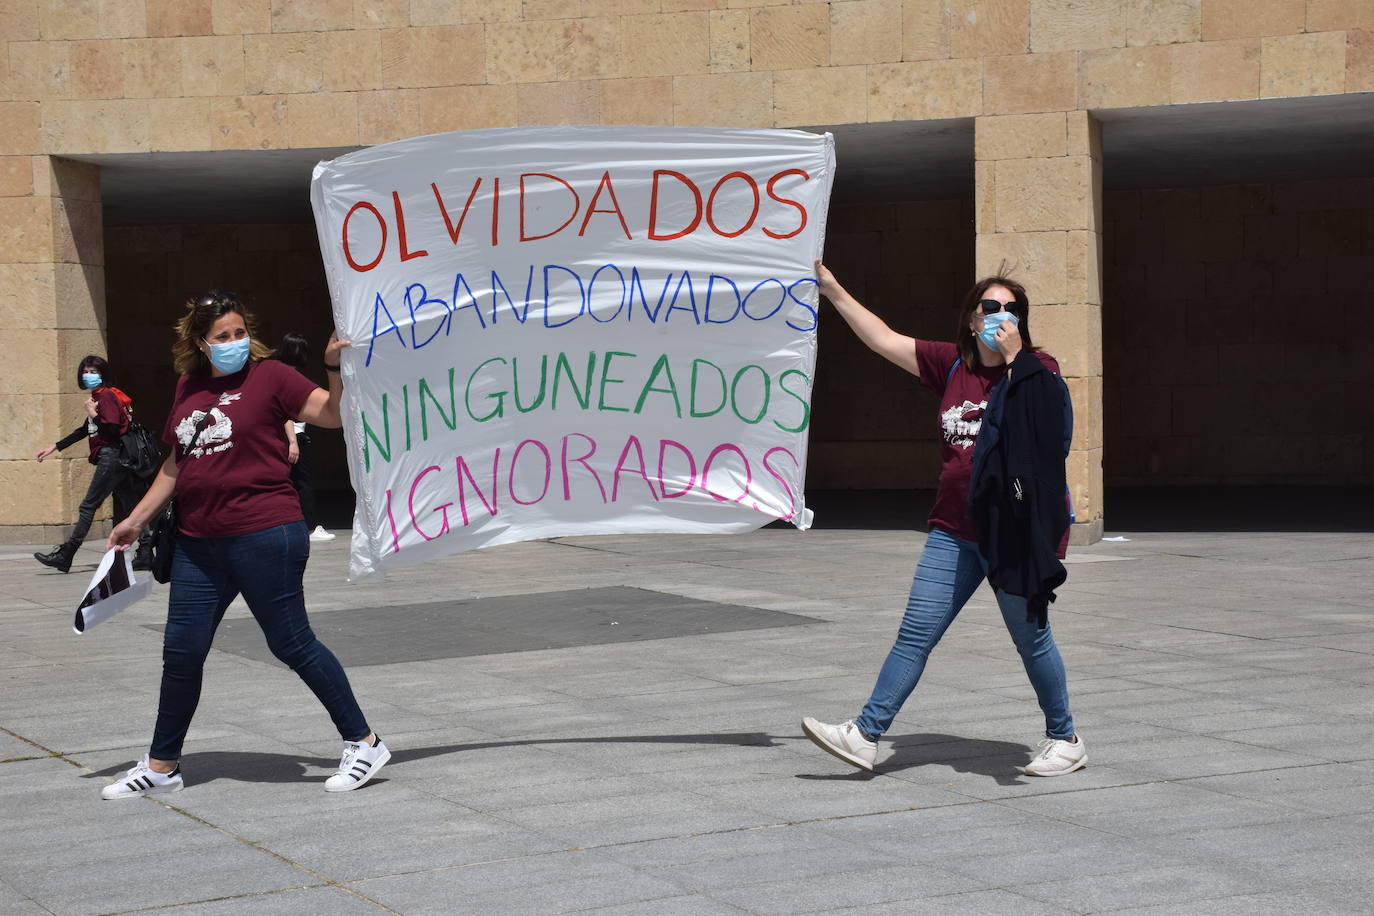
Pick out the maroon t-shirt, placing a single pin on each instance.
(237, 479)
(108, 409)
(962, 402)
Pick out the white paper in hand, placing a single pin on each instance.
(112, 589)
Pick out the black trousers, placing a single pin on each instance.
(110, 478)
(302, 478)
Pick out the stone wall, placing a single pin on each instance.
(1233, 344)
(147, 75)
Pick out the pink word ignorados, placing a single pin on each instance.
(365, 245)
(678, 474)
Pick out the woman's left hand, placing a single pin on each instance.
(331, 349)
(92, 408)
(293, 453)
(1009, 340)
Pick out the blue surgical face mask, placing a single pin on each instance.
(990, 325)
(90, 381)
(229, 357)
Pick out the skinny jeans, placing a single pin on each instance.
(267, 568)
(949, 572)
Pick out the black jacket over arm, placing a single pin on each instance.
(1017, 493)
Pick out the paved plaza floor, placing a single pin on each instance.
(610, 725)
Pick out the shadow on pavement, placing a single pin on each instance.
(998, 760)
(250, 766)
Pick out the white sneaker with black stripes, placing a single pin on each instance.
(359, 763)
(142, 780)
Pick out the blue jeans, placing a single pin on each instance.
(949, 572)
(267, 567)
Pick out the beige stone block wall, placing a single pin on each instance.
(1039, 206)
(1030, 83)
(1078, 25)
(1163, 22)
(1295, 65)
(117, 76)
(1211, 71)
(51, 274)
(1223, 19)
(865, 32)
(1359, 61)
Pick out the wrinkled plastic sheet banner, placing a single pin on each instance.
(113, 588)
(573, 330)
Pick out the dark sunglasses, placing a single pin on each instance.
(992, 306)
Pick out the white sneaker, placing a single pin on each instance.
(319, 534)
(359, 763)
(845, 741)
(141, 780)
(1057, 757)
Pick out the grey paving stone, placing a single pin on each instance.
(687, 905)
(1343, 899)
(829, 890)
(1185, 886)
(172, 875)
(1324, 789)
(974, 903)
(557, 883)
(599, 822)
(588, 777)
(428, 835)
(798, 863)
(804, 796)
(333, 900)
(1153, 809)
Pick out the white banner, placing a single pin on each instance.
(573, 330)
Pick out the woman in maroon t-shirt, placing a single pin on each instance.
(992, 329)
(241, 531)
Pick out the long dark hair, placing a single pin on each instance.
(201, 313)
(99, 365)
(963, 337)
(293, 350)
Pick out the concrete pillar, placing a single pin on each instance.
(52, 285)
(1038, 211)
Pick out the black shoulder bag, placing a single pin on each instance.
(138, 450)
(162, 530)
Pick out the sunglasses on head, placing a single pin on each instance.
(215, 297)
(992, 306)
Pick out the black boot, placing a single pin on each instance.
(143, 557)
(61, 557)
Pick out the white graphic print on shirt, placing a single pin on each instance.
(961, 423)
(217, 434)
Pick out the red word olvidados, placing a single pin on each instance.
(367, 232)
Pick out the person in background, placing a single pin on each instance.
(109, 412)
(293, 351)
(240, 532)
